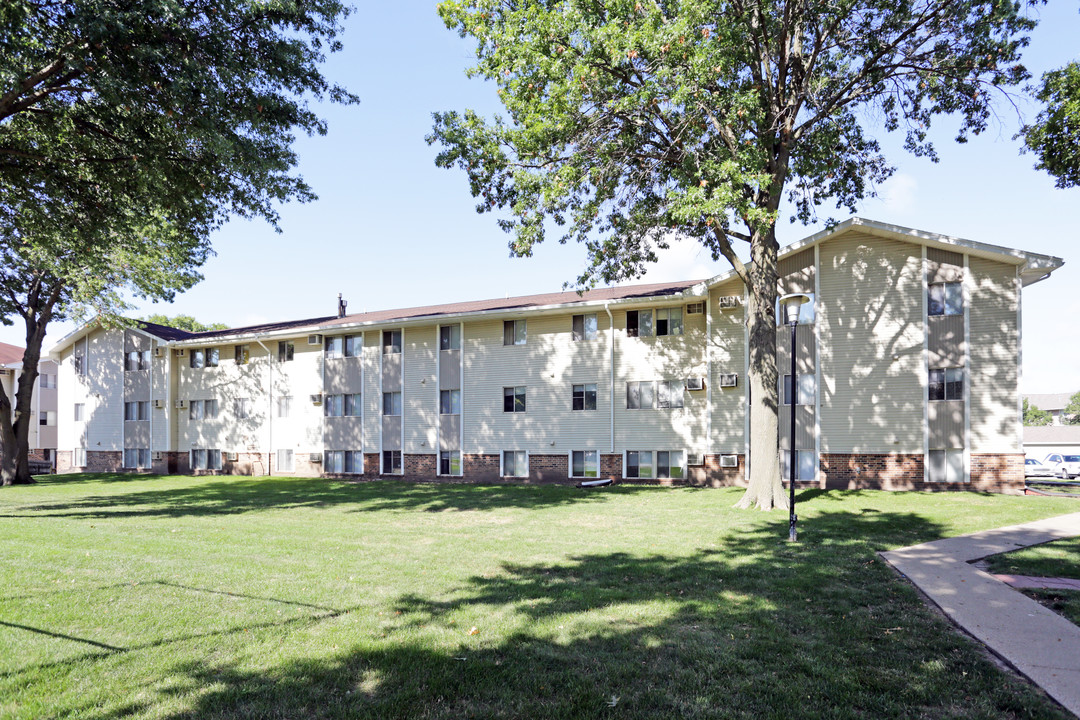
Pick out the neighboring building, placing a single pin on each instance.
(42, 435)
(1040, 441)
(909, 372)
(1053, 403)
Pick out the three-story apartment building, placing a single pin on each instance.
(909, 364)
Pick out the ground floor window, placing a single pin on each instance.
(449, 462)
(78, 457)
(585, 463)
(343, 461)
(515, 463)
(285, 460)
(391, 462)
(806, 460)
(671, 464)
(205, 459)
(945, 466)
(137, 458)
(639, 464)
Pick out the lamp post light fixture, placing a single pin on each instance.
(792, 304)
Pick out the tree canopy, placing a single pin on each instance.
(1034, 417)
(1054, 136)
(183, 322)
(628, 121)
(1071, 414)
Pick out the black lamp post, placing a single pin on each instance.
(792, 304)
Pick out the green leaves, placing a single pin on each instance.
(1055, 135)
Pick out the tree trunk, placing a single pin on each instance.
(766, 489)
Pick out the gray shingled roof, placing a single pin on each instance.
(1049, 401)
(1056, 434)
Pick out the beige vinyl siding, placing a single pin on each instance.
(342, 433)
(945, 340)
(548, 365)
(796, 273)
(69, 390)
(670, 357)
(225, 383)
(946, 424)
(420, 398)
(871, 341)
(300, 379)
(372, 394)
(993, 372)
(162, 419)
(104, 391)
(343, 376)
(943, 266)
(727, 348)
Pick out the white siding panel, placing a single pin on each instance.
(372, 393)
(994, 381)
(871, 329)
(420, 397)
(728, 349)
(105, 386)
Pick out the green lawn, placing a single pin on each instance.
(222, 597)
(1053, 559)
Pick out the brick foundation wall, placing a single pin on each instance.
(480, 468)
(715, 476)
(371, 464)
(858, 471)
(63, 463)
(548, 468)
(611, 467)
(1002, 473)
(104, 461)
(420, 467)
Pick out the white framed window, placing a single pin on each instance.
(639, 323)
(450, 337)
(284, 406)
(136, 360)
(47, 381)
(78, 457)
(670, 394)
(204, 357)
(80, 412)
(696, 308)
(807, 389)
(144, 458)
(514, 399)
(514, 332)
(137, 410)
(48, 418)
(515, 463)
(285, 351)
(639, 464)
(137, 458)
(450, 402)
(671, 464)
(450, 462)
(807, 461)
(669, 321)
(334, 461)
(354, 462)
(202, 409)
(640, 395)
(946, 384)
(242, 408)
(79, 361)
(584, 464)
(334, 405)
(205, 459)
(334, 345)
(391, 342)
(391, 403)
(353, 345)
(391, 462)
(242, 354)
(583, 397)
(285, 460)
(583, 327)
(352, 405)
(806, 312)
(945, 299)
(945, 465)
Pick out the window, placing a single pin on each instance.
(139, 410)
(450, 402)
(584, 464)
(284, 406)
(584, 397)
(669, 321)
(515, 463)
(391, 462)
(945, 299)
(639, 464)
(391, 342)
(354, 461)
(449, 337)
(391, 403)
(807, 462)
(80, 412)
(947, 384)
(285, 351)
(285, 460)
(205, 459)
(144, 457)
(334, 347)
(334, 461)
(136, 360)
(671, 394)
(449, 462)
(353, 345)
(47, 381)
(514, 399)
(640, 395)
(197, 359)
(48, 417)
(204, 357)
(79, 361)
(945, 466)
(137, 458)
(202, 409)
(671, 464)
(78, 458)
(807, 389)
(334, 405)
(242, 408)
(639, 323)
(514, 332)
(242, 353)
(352, 405)
(584, 327)
(695, 308)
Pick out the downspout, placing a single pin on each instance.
(269, 406)
(150, 410)
(611, 367)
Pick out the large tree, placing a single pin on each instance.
(129, 131)
(628, 121)
(1035, 416)
(183, 322)
(1070, 415)
(1055, 134)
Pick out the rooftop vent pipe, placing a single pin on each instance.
(341, 305)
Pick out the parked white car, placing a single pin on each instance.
(1034, 468)
(1064, 466)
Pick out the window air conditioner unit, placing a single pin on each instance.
(159, 403)
(232, 456)
(695, 459)
(159, 351)
(181, 404)
(729, 461)
(158, 455)
(695, 383)
(316, 399)
(315, 457)
(180, 352)
(314, 339)
(729, 301)
(729, 379)
(695, 308)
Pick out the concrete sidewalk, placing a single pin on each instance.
(1036, 641)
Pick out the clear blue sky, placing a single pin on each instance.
(392, 230)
